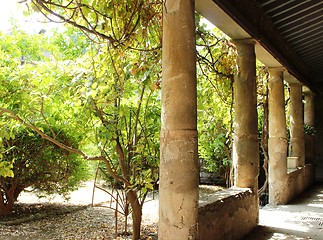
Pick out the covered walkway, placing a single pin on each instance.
(300, 219)
(268, 31)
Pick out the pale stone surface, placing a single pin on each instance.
(299, 180)
(178, 189)
(297, 139)
(277, 143)
(300, 220)
(230, 214)
(179, 175)
(245, 139)
(292, 162)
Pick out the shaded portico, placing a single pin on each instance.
(232, 213)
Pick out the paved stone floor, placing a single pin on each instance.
(301, 219)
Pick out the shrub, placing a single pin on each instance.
(39, 164)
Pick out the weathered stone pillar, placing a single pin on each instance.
(277, 143)
(245, 139)
(309, 121)
(179, 174)
(309, 109)
(297, 140)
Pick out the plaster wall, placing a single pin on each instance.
(298, 180)
(228, 214)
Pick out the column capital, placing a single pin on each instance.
(295, 84)
(277, 69)
(276, 72)
(244, 41)
(307, 91)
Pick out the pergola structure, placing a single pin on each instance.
(286, 36)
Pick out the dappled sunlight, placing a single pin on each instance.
(317, 202)
(220, 194)
(317, 205)
(300, 219)
(282, 220)
(282, 236)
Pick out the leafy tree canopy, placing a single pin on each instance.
(123, 23)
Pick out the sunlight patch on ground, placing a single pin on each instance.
(318, 205)
(282, 236)
(286, 221)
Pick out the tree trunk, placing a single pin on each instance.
(6, 204)
(5, 208)
(8, 196)
(136, 221)
(136, 214)
(263, 176)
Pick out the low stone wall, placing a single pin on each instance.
(299, 179)
(228, 214)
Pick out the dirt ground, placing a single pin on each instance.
(55, 218)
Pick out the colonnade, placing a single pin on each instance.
(284, 156)
(178, 194)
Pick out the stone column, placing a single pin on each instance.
(277, 142)
(309, 121)
(309, 109)
(297, 140)
(179, 172)
(245, 139)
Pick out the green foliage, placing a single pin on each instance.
(214, 152)
(309, 130)
(37, 163)
(6, 169)
(5, 166)
(121, 96)
(216, 58)
(107, 97)
(34, 84)
(43, 165)
(122, 23)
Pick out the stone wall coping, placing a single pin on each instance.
(291, 171)
(295, 171)
(224, 195)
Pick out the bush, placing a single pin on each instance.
(39, 164)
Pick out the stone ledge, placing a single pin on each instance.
(228, 214)
(298, 170)
(299, 179)
(224, 195)
(293, 170)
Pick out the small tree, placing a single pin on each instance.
(116, 88)
(39, 164)
(107, 95)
